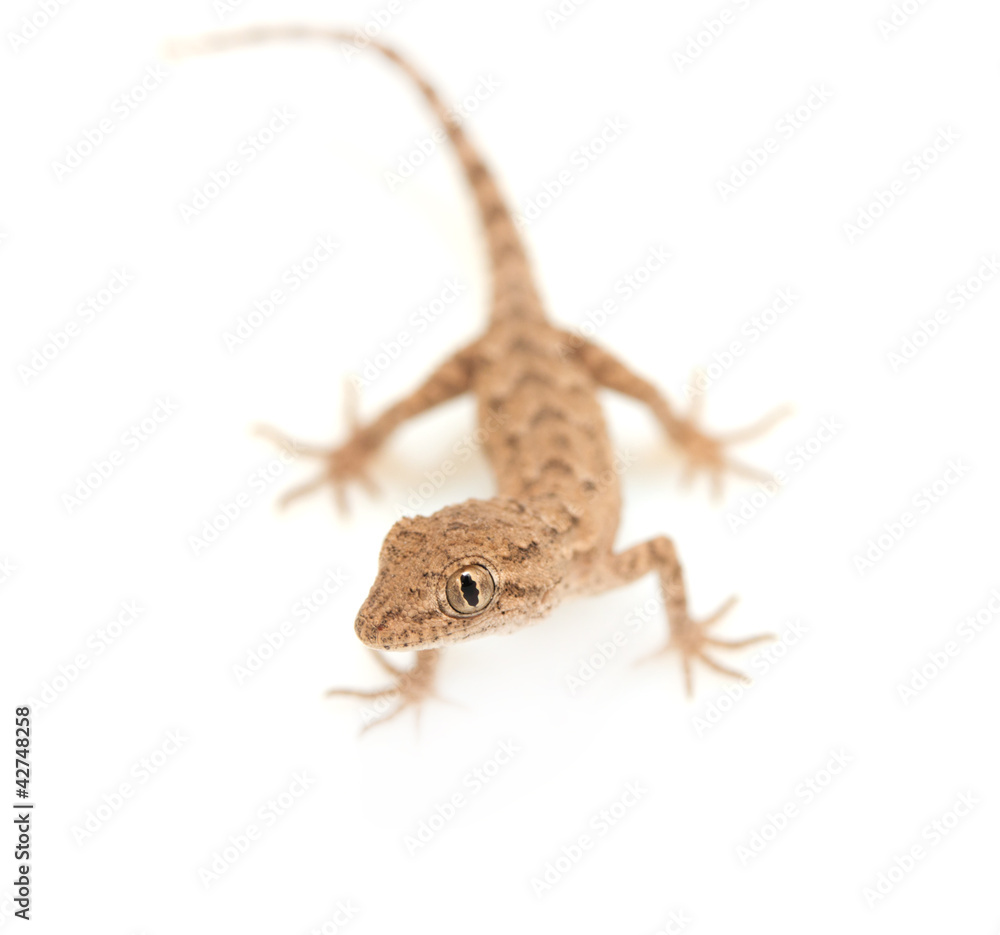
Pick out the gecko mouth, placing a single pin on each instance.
(383, 635)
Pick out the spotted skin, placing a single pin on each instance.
(549, 533)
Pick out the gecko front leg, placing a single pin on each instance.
(689, 637)
(701, 450)
(412, 687)
(351, 460)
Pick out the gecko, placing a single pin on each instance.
(490, 566)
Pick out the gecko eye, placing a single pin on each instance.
(470, 590)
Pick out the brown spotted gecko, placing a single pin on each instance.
(490, 566)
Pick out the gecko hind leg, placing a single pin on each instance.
(687, 636)
(412, 687)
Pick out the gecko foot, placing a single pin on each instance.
(343, 464)
(705, 452)
(690, 638)
(410, 688)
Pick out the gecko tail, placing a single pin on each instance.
(514, 293)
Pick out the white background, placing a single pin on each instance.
(709, 787)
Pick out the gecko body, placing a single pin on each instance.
(487, 566)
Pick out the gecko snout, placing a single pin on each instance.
(371, 630)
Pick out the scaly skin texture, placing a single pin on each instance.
(549, 533)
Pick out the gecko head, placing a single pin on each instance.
(470, 569)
